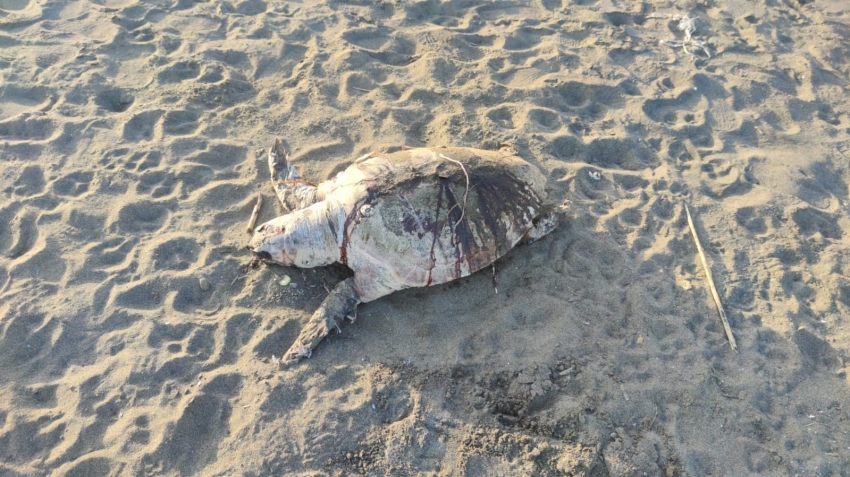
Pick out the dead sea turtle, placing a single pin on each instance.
(413, 218)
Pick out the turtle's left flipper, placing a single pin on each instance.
(294, 192)
(341, 302)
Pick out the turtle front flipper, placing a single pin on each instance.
(339, 304)
(294, 192)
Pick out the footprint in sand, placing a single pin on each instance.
(248, 7)
(73, 184)
(752, 220)
(220, 156)
(203, 423)
(44, 262)
(625, 154)
(812, 221)
(503, 117)
(19, 11)
(544, 119)
(143, 296)
(113, 3)
(668, 110)
(110, 253)
(21, 234)
(114, 100)
(239, 329)
(27, 127)
(14, 5)
(722, 177)
(166, 335)
(574, 94)
(92, 466)
(566, 148)
(141, 217)
(85, 226)
(156, 183)
(367, 38)
(180, 123)
(143, 160)
(179, 71)
(140, 435)
(723, 115)
(190, 297)
(142, 126)
(15, 100)
(117, 320)
(25, 336)
(178, 253)
(30, 182)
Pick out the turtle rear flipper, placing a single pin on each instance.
(294, 192)
(542, 225)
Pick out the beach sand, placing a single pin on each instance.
(135, 339)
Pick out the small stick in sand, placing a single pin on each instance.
(255, 213)
(710, 281)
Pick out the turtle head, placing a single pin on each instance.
(271, 242)
(294, 240)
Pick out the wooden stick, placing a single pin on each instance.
(710, 280)
(255, 213)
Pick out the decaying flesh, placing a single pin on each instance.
(413, 218)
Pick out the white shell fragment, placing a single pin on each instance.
(284, 281)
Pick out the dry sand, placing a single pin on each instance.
(134, 340)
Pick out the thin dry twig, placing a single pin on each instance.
(710, 281)
(465, 192)
(255, 213)
(653, 418)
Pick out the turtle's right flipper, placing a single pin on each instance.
(294, 192)
(340, 303)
